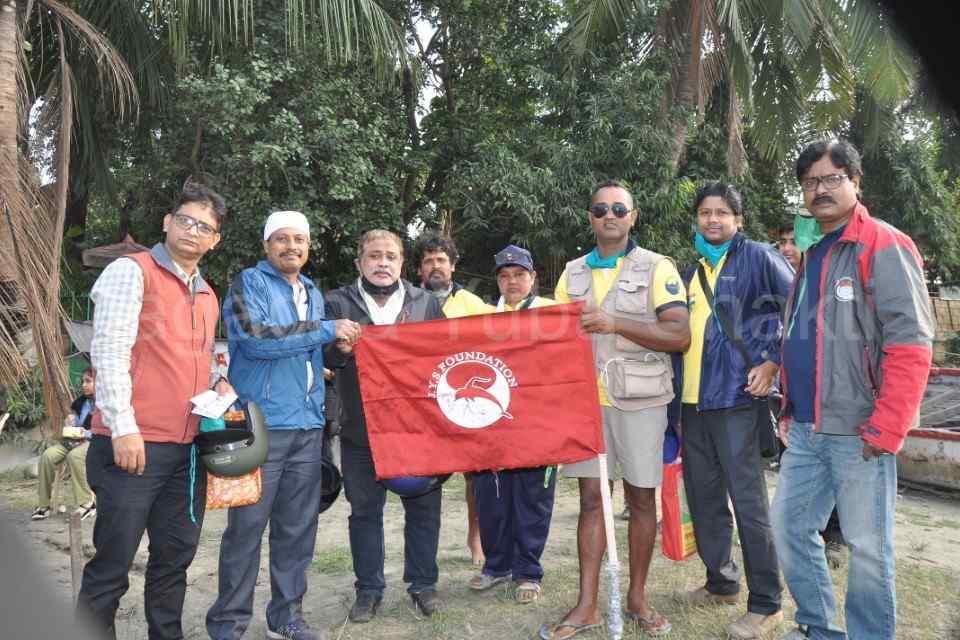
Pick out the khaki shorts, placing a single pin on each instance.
(634, 441)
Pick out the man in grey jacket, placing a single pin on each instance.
(856, 357)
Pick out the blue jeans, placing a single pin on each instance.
(290, 500)
(421, 530)
(817, 472)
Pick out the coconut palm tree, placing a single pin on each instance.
(790, 66)
(59, 73)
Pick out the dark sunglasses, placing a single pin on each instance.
(600, 209)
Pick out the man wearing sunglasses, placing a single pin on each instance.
(153, 333)
(856, 356)
(636, 313)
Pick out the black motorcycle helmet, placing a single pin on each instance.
(238, 449)
(414, 486)
(330, 484)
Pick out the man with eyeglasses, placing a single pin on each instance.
(856, 356)
(277, 328)
(154, 326)
(636, 313)
(736, 294)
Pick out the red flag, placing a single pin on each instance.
(497, 391)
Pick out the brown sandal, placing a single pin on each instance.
(656, 625)
(527, 592)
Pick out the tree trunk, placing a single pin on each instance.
(9, 173)
(78, 201)
(736, 154)
(410, 96)
(688, 83)
(125, 216)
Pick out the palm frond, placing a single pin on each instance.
(595, 21)
(351, 29)
(115, 78)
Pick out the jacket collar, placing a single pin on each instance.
(411, 293)
(266, 267)
(856, 224)
(162, 257)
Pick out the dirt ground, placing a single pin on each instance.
(927, 547)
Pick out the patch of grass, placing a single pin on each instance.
(926, 601)
(20, 493)
(11, 475)
(949, 524)
(916, 516)
(335, 560)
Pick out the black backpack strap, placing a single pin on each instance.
(724, 319)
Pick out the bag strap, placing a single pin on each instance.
(725, 324)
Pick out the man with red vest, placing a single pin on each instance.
(153, 333)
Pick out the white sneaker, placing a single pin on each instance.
(795, 634)
(87, 510)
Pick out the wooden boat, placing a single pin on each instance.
(931, 452)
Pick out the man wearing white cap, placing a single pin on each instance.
(275, 323)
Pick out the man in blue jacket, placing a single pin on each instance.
(743, 284)
(276, 327)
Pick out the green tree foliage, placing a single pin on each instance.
(275, 131)
(512, 144)
(905, 185)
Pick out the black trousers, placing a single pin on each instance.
(721, 458)
(421, 529)
(514, 508)
(158, 502)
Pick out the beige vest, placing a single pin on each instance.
(635, 377)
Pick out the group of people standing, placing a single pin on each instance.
(849, 357)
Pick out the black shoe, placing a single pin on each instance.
(40, 513)
(428, 601)
(365, 606)
(834, 553)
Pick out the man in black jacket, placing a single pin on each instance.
(380, 297)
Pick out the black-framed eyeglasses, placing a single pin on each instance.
(831, 181)
(600, 209)
(185, 222)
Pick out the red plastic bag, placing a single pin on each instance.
(677, 541)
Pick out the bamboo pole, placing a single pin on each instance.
(614, 616)
(76, 554)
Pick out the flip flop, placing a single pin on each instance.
(527, 592)
(484, 581)
(549, 631)
(656, 625)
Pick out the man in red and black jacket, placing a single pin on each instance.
(856, 355)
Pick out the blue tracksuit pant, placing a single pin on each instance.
(514, 508)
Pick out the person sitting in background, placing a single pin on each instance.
(72, 448)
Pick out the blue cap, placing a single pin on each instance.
(514, 255)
